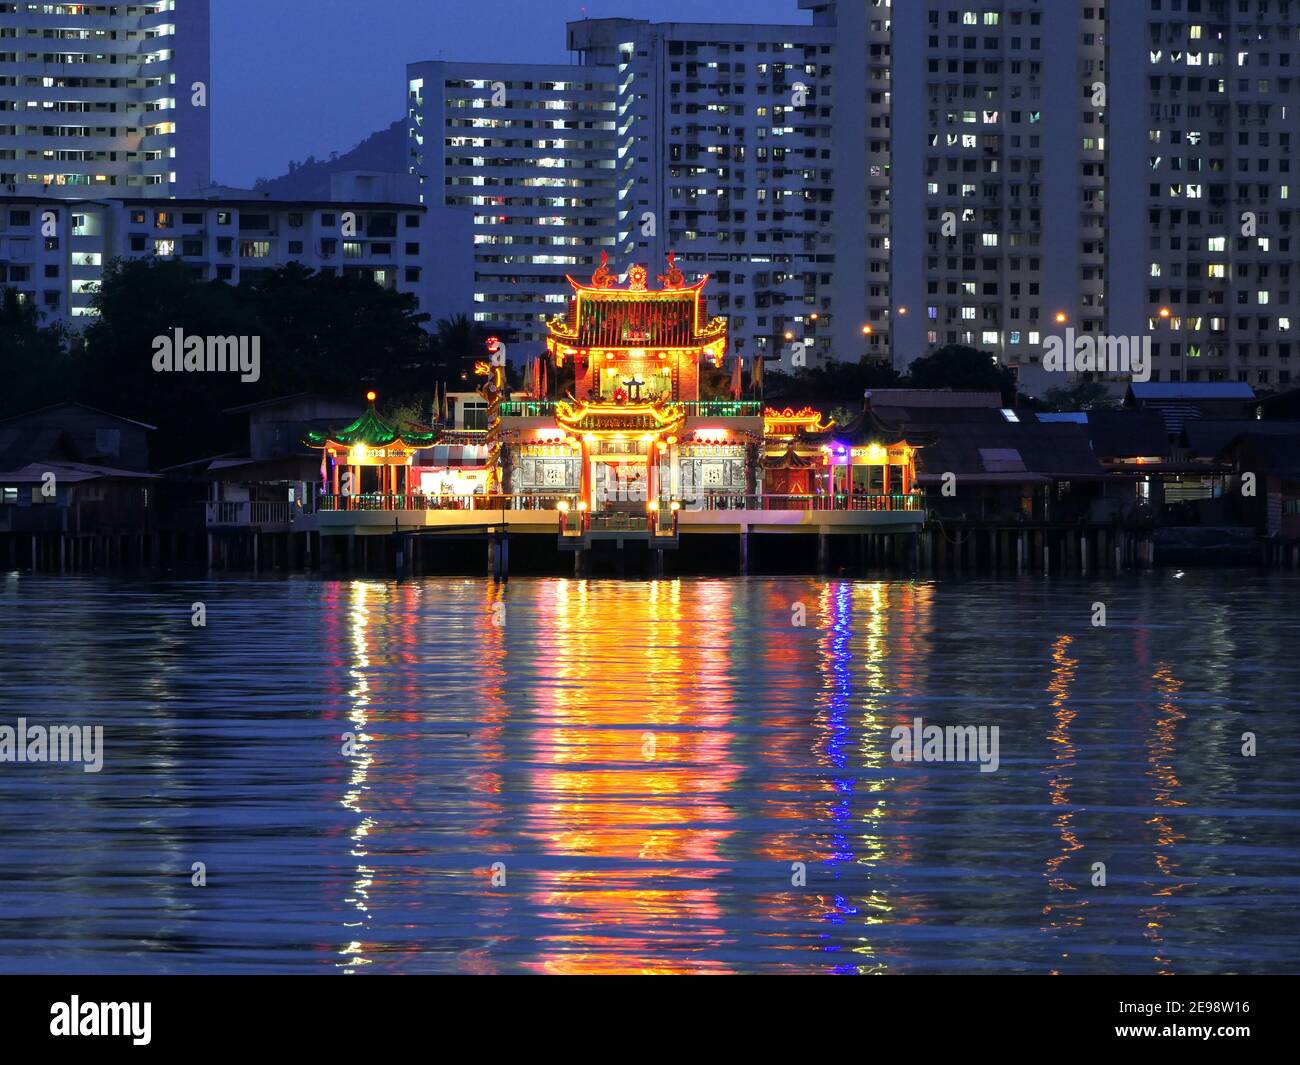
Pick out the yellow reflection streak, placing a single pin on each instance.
(632, 749)
(361, 760)
(1062, 914)
(1161, 748)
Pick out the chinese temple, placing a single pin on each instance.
(628, 433)
(612, 429)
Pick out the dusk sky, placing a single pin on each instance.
(317, 76)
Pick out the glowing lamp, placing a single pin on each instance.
(674, 505)
(582, 504)
(1165, 312)
(653, 505)
(672, 440)
(902, 310)
(370, 396)
(789, 335)
(866, 330)
(1062, 318)
(562, 506)
(647, 438)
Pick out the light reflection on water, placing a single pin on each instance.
(359, 765)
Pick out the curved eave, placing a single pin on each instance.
(578, 286)
(409, 443)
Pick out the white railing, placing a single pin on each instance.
(231, 512)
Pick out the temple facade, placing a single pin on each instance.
(635, 431)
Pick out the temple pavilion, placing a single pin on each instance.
(629, 435)
(370, 460)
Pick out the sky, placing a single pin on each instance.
(293, 78)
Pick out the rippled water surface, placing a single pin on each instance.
(647, 762)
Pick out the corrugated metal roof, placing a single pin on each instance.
(1191, 390)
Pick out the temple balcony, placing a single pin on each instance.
(912, 503)
(703, 408)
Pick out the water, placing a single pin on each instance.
(648, 760)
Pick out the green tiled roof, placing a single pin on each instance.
(370, 430)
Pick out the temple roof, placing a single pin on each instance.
(604, 315)
(787, 460)
(867, 428)
(371, 430)
(620, 418)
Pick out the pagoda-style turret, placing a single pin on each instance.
(634, 344)
(370, 442)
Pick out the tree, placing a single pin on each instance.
(837, 381)
(962, 368)
(1082, 395)
(38, 369)
(337, 335)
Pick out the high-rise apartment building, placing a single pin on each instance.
(370, 227)
(1119, 171)
(529, 152)
(725, 158)
(104, 99)
(1205, 121)
(893, 178)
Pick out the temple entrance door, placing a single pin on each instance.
(619, 485)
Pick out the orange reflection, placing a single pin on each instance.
(1062, 914)
(1161, 748)
(632, 748)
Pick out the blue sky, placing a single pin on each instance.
(293, 78)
